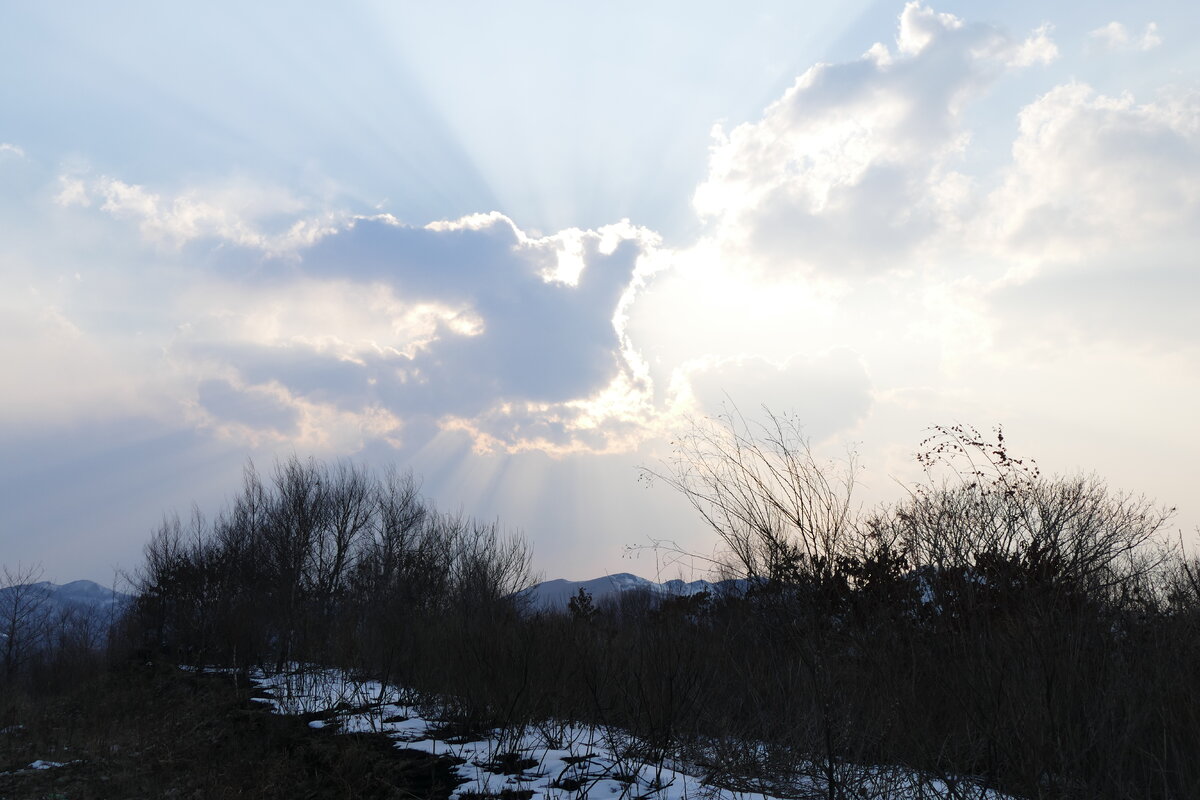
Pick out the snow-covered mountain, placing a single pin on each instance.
(554, 595)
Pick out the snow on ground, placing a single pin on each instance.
(39, 765)
(554, 761)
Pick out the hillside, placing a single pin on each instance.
(81, 595)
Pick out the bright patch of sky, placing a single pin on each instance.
(516, 246)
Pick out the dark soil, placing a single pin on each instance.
(155, 732)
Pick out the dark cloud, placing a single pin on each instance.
(537, 341)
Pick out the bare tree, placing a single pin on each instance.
(994, 508)
(24, 614)
(345, 523)
(397, 532)
(776, 505)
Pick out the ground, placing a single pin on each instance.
(150, 731)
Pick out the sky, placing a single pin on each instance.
(517, 247)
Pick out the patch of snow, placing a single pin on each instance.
(41, 764)
(558, 761)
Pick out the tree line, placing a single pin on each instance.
(44, 640)
(323, 563)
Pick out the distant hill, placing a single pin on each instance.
(87, 597)
(554, 595)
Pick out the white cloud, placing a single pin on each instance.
(564, 251)
(920, 25)
(855, 167)
(1039, 48)
(1096, 223)
(237, 211)
(72, 192)
(1091, 173)
(12, 150)
(344, 319)
(270, 415)
(1116, 37)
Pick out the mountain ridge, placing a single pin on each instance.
(80, 595)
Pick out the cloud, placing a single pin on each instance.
(1098, 221)
(11, 150)
(471, 324)
(72, 192)
(844, 238)
(541, 339)
(858, 177)
(370, 327)
(1092, 173)
(255, 408)
(1039, 48)
(346, 320)
(858, 215)
(1115, 37)
(270, 414)
(239, 212)
(854, 167)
